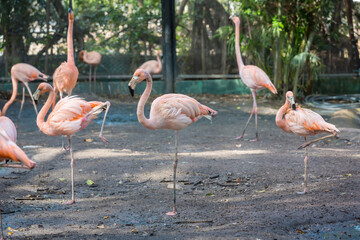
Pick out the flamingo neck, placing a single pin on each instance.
(279, 119)
(70, 44)
(237, 46)
(141, 105)
(13, 95)
(40, 120)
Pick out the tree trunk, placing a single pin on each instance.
(354, 53)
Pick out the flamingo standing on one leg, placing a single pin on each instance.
(253, 77)
(70, 115)
(93, 59)
(153, 66)
(24, 73)
(302, 122)
(170, 111)
(9, 150)
(66, 75)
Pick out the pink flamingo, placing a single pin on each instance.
(302, 122)
(24, 73)
(66, 75)
(170, 111)
(253, 77)
(93, 59)
(70, 115)
(9, 150)
(153, 66)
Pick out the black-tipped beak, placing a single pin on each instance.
(131, 91)
(294, 106)
(36, 101)
(70, 6)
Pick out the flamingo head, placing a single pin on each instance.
(81, 55)
(235, 19)
(42, 88)
(290, 99)
(139, 75)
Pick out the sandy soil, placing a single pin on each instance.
(228, 189)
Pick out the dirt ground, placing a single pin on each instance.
(228, 189)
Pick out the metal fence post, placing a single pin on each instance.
(169, 44)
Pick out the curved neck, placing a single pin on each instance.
(279, 119)
(40, 120)
(237, 46)
(141, 105)
(13, 95)
(158, 58)
(70, 46)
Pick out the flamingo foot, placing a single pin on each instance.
(239, 137)
(303, 192)
(172, 213)
(103, 139)
(69, 202)
(254, 140)
(304, 145)
(65, 149)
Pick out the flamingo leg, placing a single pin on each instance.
(103, 123)
(32, 98)
(254, 110)
(174, 212)
(13, 166)
(306, 144)
(305, 169)
(72, 174)
(21, 106)
(90, 78)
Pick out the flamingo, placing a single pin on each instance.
(93, 59)
(9, 150)
(70, 115)
(66, 75)
(153, 66)
(170, 111)
(253, 77)
(302, 122)
(24, 73)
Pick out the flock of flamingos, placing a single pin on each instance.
(170, 111)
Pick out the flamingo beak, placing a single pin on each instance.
(292, 102)
(36, 95)
(132, 85)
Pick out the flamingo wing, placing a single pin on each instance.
(304, 122)
(67, 116)
(255, 78)
(93, 58)
(7, 128)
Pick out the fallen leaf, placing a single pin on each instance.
(197, 227)
(326, 190)
(300, 231)
(10, 229)
(262, 191)
(62, 179)
(10, 233)
(88, 140)
(238, 145)
(238, 108)
(209, 194)
(348, 175)
(134, 230)
(102, 226)
(89, 182)
(106, 217)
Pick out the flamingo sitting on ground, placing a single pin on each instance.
(170, 111)
(253, 77)
(302, 122)
(24, 73)
(153, 66)
(9, 150)
(70, 115)
(66, 75)
(93, 59)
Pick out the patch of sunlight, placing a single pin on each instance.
(104, 152)
(225, 153)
